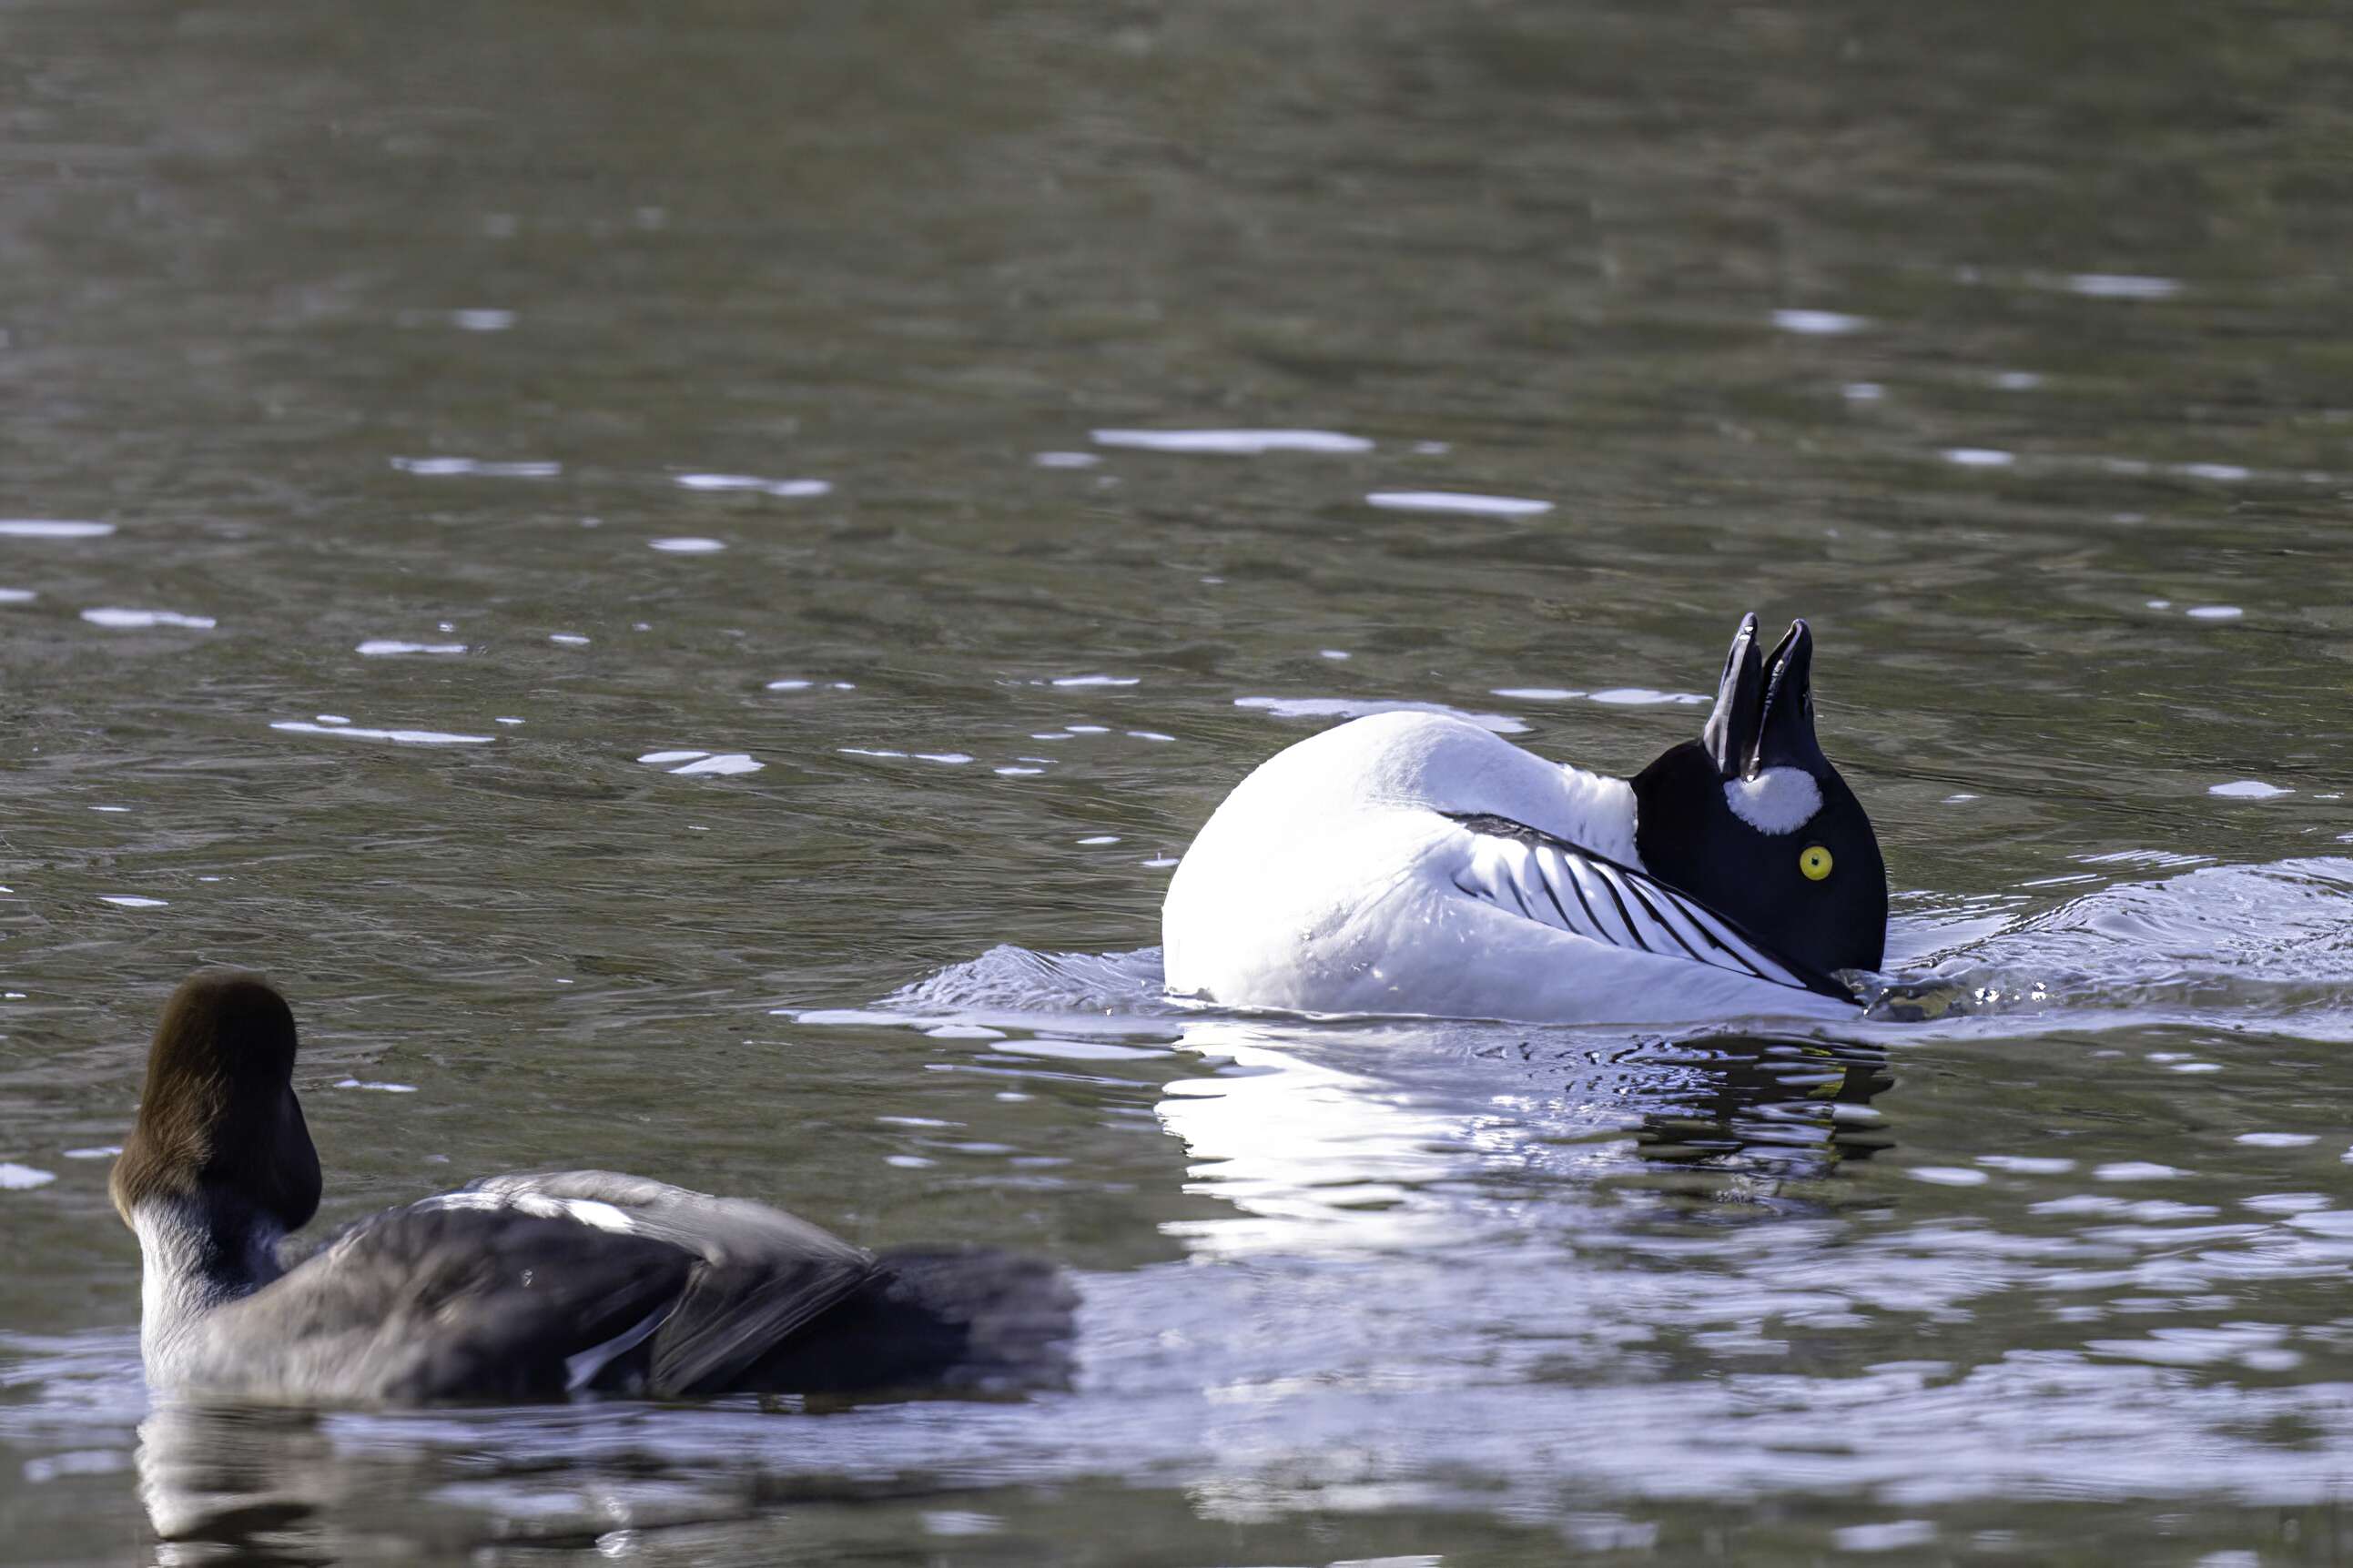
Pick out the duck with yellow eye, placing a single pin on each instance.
(1753, 819)
(1410, 862)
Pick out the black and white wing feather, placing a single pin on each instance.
(1557, 883)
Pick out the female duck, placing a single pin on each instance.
(1415, 863)
(515, 1288)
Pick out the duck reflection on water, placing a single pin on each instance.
(248, 1484)
(1326, 1138)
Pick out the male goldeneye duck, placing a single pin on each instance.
(517, 1288)
(1411, 862)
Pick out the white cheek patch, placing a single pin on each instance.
(1776, 801)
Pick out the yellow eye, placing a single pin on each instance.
(1815, 862)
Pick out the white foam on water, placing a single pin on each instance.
(141, 620)
(1357, 707)
(2134, 1171)
(16, 1178)
(1065, 459)
(1098, 680)
(381, 1088)
(447, 467)
(1645, 697)
(2248, 789)
(348, 731)
(483, 321)
(1461, 502)
(1979, 456)
(723, 764)
(2215, 613)
(1075, 1051)
(686, 546)
(46, 528)
(1896, 1536)
(1818, 324)
(17, 596)
(133, 902)
(568, 640)
(2122, 286)
(788, 489)
(1535, 693)
(1232, 443)
(388, 647)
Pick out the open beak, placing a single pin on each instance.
(1730, 736)
(1764, 715)
(1785, 734)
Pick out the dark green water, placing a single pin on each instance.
(1998, 340)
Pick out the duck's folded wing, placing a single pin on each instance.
(1557, 883)
(760, 1275)
(716, 1229)
(426, 1305)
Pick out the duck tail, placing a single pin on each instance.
(996, 1320)
(936, 1319)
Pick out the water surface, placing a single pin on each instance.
(662, 573)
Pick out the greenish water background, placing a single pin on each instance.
(1996, 340)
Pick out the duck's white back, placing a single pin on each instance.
(1331, 880)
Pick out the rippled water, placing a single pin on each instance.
(682, 579)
